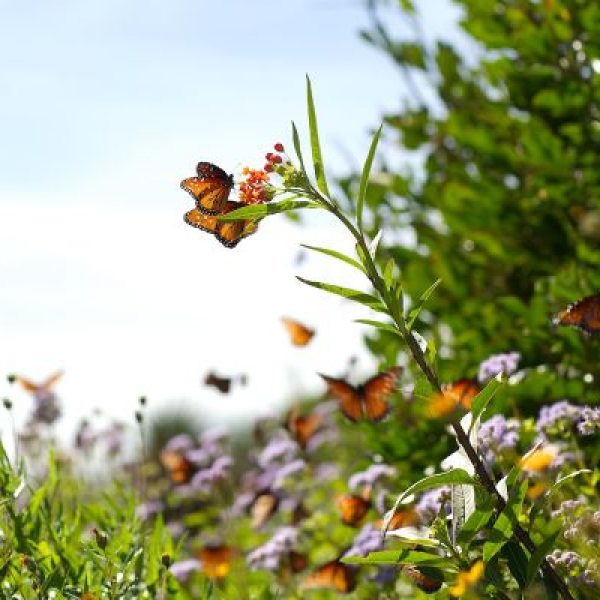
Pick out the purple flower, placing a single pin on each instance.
(180, 443)
(431, 502)
(148, 509)
(590, 420)
(371, 475)
(278, 448)
(184, 568)
(555, 418)
(498, 363)
(204, 479)
(498, 435)
(47, 408)
(296, 466)
(269, 555)
(369, 539)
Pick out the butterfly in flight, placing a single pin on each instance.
(453, 395)
(216, 560)
(40, 391)
(584, 314)
(303, 428)
(211, 191)
(300, 334)
(179, 467)
(368, 399)
(353, 509)
(423, 581)
(334, 575)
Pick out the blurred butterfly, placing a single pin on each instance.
(368, 399)
(353, 509)
(585, 314)
(179, 467)
(262, 508)
(223, 384)
(401, 518)
(297, 561)
(210, 189)
(216, 560)
(333, 575)
(453, 395)
(38, 390)
(303, 428)
(300, 334)
(423, 581)
(229, 233)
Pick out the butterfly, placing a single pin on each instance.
(303, 428)
(424, 582)
(179, 467)
(210, 189)
(334, 575)
(369, 398)
(38, 390)
(216, 560)
(401, 518)
(585, 314)
(229, 233)
(453, 395)
(353, 509)
(300, 334)
(262, 508)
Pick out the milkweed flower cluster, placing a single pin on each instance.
(269, 555)
(506, 364)
(255, 188)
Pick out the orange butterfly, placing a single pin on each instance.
(216, 560)
(262, 508)
(37, 389)
(179, 467)
(210, 189)
(421, 580)
(584, 314)
(402, 518)
(353, 509)
(303, 428)
(334, 575)
(300, 334)
(369, 398)
(453, 395)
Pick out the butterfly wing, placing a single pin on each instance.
(377, 390)
(333, 575)
(353, 509)
(303, 428)
(216, 560)
(51, 381)
(262, 508)
(453, 395)
(584, 314)
(424, 582)
(300, 334)
(201, 221)
(230, 233)
(27, 384)
(347, 395)
(179, 467)
(210, 189)
(223, 384)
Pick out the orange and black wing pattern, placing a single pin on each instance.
(353, 509)
(36, 388)
(377, 390)
(303, 428)
(584, 314)
(216, 560)
(407, 517)
(347, 395)
(453, 396)
(179, 467)
(300, 335)
(424, 582)
(333, 575)
(210, 189)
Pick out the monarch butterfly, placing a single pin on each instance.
(216, 560)
(303, 428)
(263, 506)
(585, 314)
(453, 395)
(353, 509)
(210, 189)
(179, 467)
(334, 575)
(229, 233)
(223, 384)
(300, 334)
(401, 518)
(424, 582)
(39, 390)
(369, 398)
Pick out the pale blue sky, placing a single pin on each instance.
(104, 108)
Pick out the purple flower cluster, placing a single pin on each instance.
(590, 420)
(369, 539)
(184, 568)
(278, 448)
(430, 503)
(565, 559)
(269, 555)
(498, 363)
(497, 435)
(205, 479)
(558, 417)
(371, 475)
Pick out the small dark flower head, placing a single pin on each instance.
(142, 400)
(101, 537)
(166, 560)
(7, 403)
(139, 417)
(11, 378)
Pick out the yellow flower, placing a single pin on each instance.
(536, 490)
(539, 459)
(466, 580)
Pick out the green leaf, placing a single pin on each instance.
(388, 274)
(475, 523)
(539, 555)
(259, 211)
(414, 312)
(517, 559)
(349, 293)
(297, 147)
(336, 254)
(403, 556)
(314, 141)
(379, 325)
(484, 397)
(364, 178)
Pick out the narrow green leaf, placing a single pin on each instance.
(364, 178)
(379, 325)
(517, 559)
(259, 211)
(297, 147)
(403, 556)
(356, 295)
(336, 254)
(538, 556)
(477, 521)
(414, 312)
(314, 141)
(484, 397)
(388, 274)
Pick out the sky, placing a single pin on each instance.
(105, 107)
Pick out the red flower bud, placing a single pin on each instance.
(268, 167)
(277, 159)
(279, 147)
